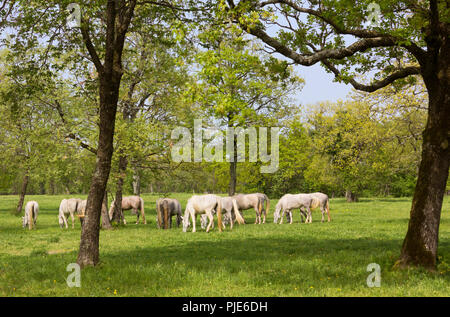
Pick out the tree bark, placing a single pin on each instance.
(89, 245)
(118, 212)
(351, 196)
(137, 183)
(106, 224)
(421, 242)
(233, 168)
(118, 19)
(22, 194)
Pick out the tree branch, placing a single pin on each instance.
(401, 73)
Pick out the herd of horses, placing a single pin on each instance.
(227, 209)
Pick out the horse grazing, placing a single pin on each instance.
(70, 206)
(165, 209)
(228, 203)
(135, 203)
(289, 202)
(319, 200)
(255, 201)
(200, 204)
(31, 213)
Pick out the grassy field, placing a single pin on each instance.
(318, 259)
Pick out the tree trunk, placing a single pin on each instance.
(233, 168)
(421, 241)
(89, 244)
(23, 192)
(137, 183)
(42, 188)
(110, 74)
(106, 224)
(118, 212)
(351, 196)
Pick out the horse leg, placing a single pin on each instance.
(323, 213)
(260, 208)
(73, 220)
(65, 221)
(194, 218)
(309, 214)
(211, 221)
(265, 212)
(282, 216)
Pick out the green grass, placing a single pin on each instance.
(318, 259)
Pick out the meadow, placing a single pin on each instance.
(318, 259)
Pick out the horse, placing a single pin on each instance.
(255, 201)
(135, 203)
(228, 203)
(31, 213)
(319, 200)
(170, 207)
(70, 206)
(199, 204)
(289, 202)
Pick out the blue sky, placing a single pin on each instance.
(319, 86)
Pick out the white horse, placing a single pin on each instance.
(289, 202)
(200, 204)
(228, 204)
(319, 200)
(31, 213)
(135, 203)
(70, 206)
(255, 201)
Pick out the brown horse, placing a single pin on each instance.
(135, 203)
(165, 209)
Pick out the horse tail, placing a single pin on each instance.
(219, 214)
(165, 205)
(328, 210)
(158, 213)
(267, 205)
(30, 217)
(260, 206)
(142, 210)
(239, 218)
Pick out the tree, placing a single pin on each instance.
(410, 39)
(28, 144)
(239, 87)
(155, 72)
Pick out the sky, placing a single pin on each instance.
(319, 86)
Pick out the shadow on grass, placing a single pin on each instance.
(264, 259)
